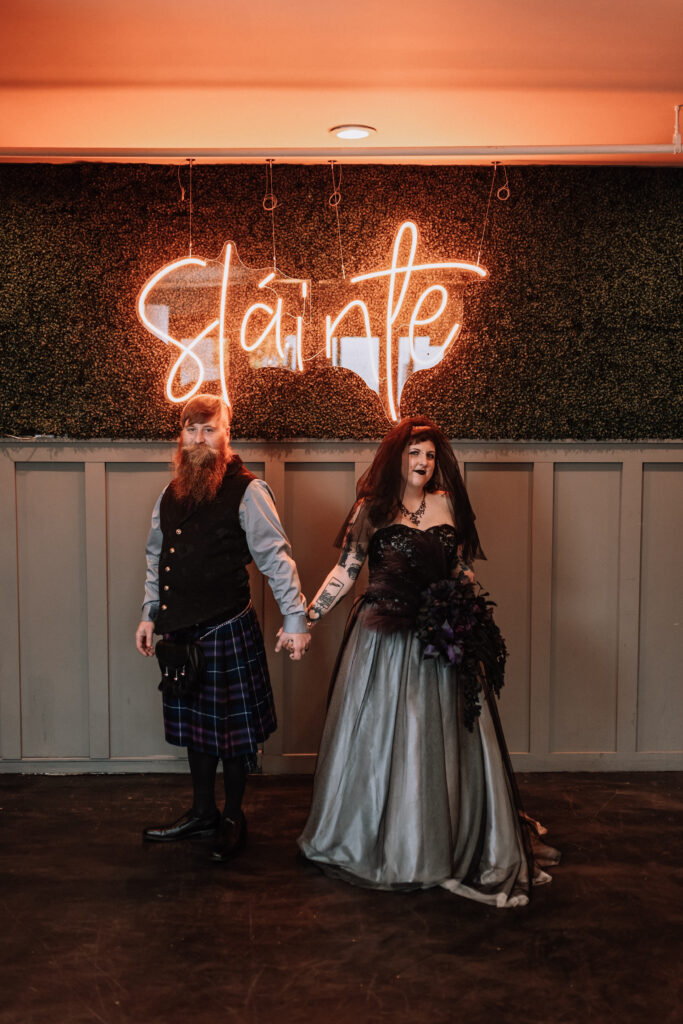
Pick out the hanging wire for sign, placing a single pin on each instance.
(334, 200)
(486, 215)
(190, 160)
(270, 201)
(503, 194)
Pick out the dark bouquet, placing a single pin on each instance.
(415, 588)
(455, 621)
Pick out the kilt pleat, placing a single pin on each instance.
(233, 712)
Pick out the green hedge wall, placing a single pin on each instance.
(575, 334)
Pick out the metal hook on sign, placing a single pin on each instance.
(503, 192)
(335, 197)
(269, 199)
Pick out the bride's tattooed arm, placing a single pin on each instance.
(339, 581)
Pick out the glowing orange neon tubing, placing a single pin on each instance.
(221, 324)
(299, 347)
(275, 323)
(168, 339)
(142, 298)
(423, 266)
(393, 309)
(187, 350)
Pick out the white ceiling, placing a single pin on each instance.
(258, 77)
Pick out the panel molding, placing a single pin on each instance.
(10, 652)
(51, 532)
(585, 607)
(630, 525)
(543, 490)
(102, 652)
(660, 705)
(97, 607)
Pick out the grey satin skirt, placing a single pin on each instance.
(405, 797)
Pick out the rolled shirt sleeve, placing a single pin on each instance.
(150, 604)
(272, 553)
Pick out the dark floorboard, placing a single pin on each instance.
(99, 928)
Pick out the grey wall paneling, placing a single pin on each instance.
(584, 562)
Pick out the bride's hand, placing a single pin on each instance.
(296, 644)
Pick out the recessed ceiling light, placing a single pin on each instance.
(352, 131)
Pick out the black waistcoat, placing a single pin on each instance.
(202, 566)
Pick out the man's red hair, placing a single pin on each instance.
(203, 408)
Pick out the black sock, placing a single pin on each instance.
(203, 769)
(235, 779)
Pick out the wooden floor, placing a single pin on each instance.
(99, 928)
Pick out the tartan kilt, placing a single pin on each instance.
(234, 711)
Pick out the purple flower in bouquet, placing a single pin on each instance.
(455, 621)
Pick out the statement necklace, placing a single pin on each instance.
(415, 516)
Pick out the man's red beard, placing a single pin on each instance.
(199, 471)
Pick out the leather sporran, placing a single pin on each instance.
(183, 667)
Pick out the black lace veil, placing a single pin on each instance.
(379, 490)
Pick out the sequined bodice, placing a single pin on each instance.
(416, 555)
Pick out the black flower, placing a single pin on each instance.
(455, 621)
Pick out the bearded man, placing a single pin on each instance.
(208, 524)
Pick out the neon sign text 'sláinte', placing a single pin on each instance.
(208, 309)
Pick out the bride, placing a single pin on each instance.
(413, 786)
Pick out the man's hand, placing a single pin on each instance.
(143, 638)
(295, 643)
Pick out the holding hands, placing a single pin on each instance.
(296, 644)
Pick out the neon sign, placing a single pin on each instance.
(220, 314)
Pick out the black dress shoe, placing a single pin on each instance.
(232, 838)
(189, 825)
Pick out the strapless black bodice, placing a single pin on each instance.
(403, 562)
(419, 556)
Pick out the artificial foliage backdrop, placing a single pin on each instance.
(576, 333)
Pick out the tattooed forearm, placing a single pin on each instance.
(346, 550)
(339, 582)
(352, 558)
(332, 591)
